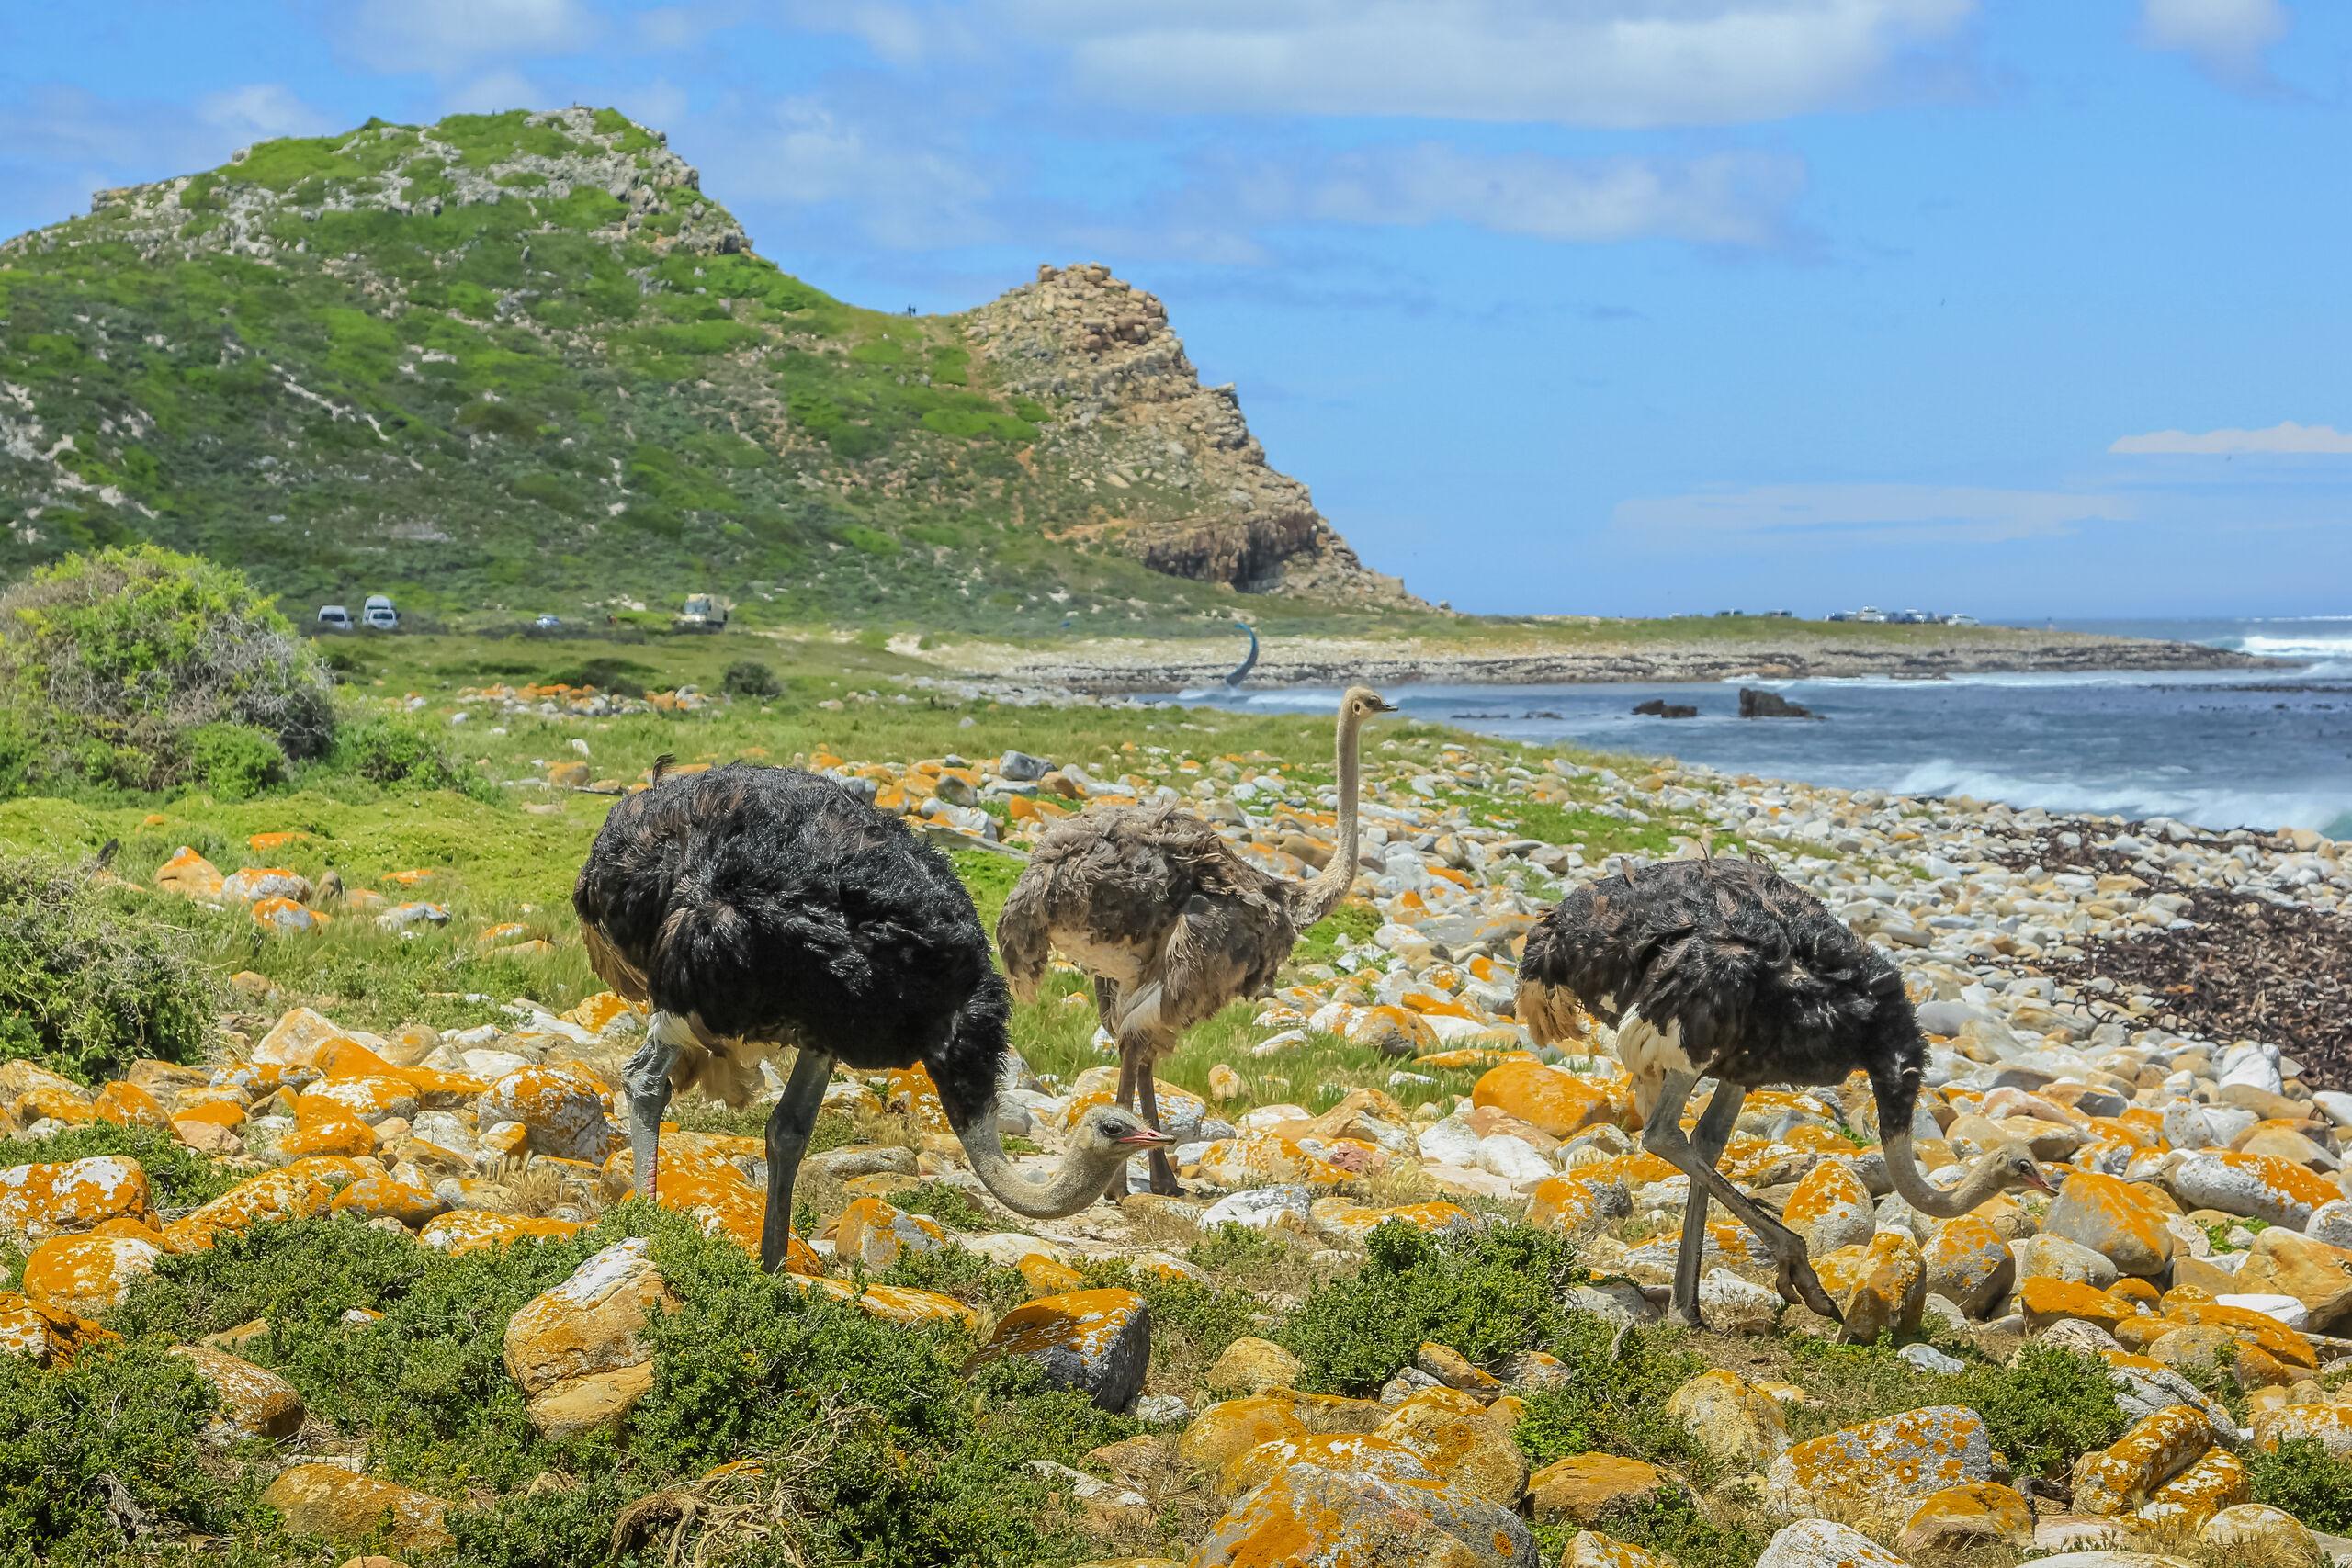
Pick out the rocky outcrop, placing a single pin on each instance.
(1179, 481)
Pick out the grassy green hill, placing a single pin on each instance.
(517, 362)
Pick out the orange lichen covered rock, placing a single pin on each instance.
(912, 1094)
(1884, 1461)
(1881, 1286)
(37, 1202)
(599, 1011)
(1544, 1098)
(1969, 1264)
(468, 1230)
(1455, 1437)
(128, 1105)
(2217, 1481)
(56, 1102)
(1047, 1277)
(2119, 1479)
(2283, 1262)
(86, 1275)
(381, 1197)
(875, 1234)
(1741, 1427)
(2113, 1218)
(1577, 1204)
(2258, 1186)
(49, 1335)
(1591, 1549)
(1831, 1209)
(564, 1106)
(1316, 1516)
(296, 1039)
(2045, 1301)
(1343, 1219)
(1961, 1516)
(254, 1401)
(329, 1501)
(1358, 1451)
(1256, 1159)
(305, 1187)
(903, 1304)
(2261, 1329)
(189, 874)
(2329, 1426)
(1583, 1487)
(583, 1329)
(1096, 1342)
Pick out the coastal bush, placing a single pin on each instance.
(2044, 1409)
(1486, 1295)
(235, 761)
(396, 753)
(145, 670)
(2304, 1478)
(1615, 1398)
(88, 986)
(749, 678)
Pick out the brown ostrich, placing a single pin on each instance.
(1169, 921)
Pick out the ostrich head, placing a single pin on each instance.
(1360, 703)
(1106, 1136)
(2014, 1168)
(1105, 1139)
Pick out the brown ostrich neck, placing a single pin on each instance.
(1321, 893)
(1982, 1181)
(1075, 1185)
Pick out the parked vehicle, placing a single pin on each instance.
(334, 617)
(380, 615)
(704, 612)
(545, 622)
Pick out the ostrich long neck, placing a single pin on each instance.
(1078, 1183)
(1321, 893)
(1903, 1169)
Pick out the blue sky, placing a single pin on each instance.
(2018, 307)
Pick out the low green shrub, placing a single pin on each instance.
(235, 761)
(1487, 1295)
(1615, 1398)
(177, 1176)
(2307, 1480)
(394, 752)
(952, 1207)
(749, 678)
(88, 984)
(2044, 1409)
(118, 669)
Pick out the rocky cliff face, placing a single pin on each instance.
(1180, 482)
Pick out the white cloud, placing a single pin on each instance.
(2225, 39)
(261, 110)
(1732, 199)
(1814, 514)
(2284, 437)
(494, 91)
(446, 38)
(910, 185)
(1602, 62)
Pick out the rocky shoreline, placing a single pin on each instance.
(1107, 666)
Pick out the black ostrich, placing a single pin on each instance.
(759, 908)
(1719, 969)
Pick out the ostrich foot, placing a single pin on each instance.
(1799, 1284)
(1163, 1177)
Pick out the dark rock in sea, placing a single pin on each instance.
(1659, 707)
(1754, 704)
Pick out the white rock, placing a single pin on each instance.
(1821, 1544)
(2254, 1065)
(2331, 1222)
(2335, 1105)
(1729, 1304)
(1257, 1208)
(1513, 1159)
(1928, 1359)
(1448, 1143)
(2286, 1309)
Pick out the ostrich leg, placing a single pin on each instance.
(1663, 1137)
(789, 1124)
(646, 1076)
(1138, 1033)
(1707, 1141)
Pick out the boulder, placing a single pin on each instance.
(1342, 1222)
(127, 1105)
(305, 1187)
(1544, 1098)
(1354, 1451)
(1453, 1433)
(1096, 1342)
(2261, 1532)
(2120, 1478)
(381, 1197)
(1450, 1368)
(1961, 1516)
(2047, 1302)
(2283, 1262)
(1969, 1264)
(2329, 1426)
(876, 1235)
(562, 1106)
(2256, 1186)
(254, 1401)
(1884, 1462)
(2113, 1218)
(1578, 1206)
(1252, 1366)
(328, 1501)
(2215, 1481)
(1880, 1286)
(1582, 1487)
(1819, 1543)
(88, 1275)
(1831, 1209)
(1729, 1304)
(37, 1202)
(587, 1329)
(1590, 1549)
(1311, 1514)
(2054, 1257)
(1740, 1426)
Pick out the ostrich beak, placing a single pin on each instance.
(1382, 704)
(1146, 1137)
(2038, 1181)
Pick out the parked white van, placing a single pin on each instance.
(380, 614)
(334, 617)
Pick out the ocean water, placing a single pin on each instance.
(2220, 749)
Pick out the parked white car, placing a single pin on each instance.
(334, 617)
